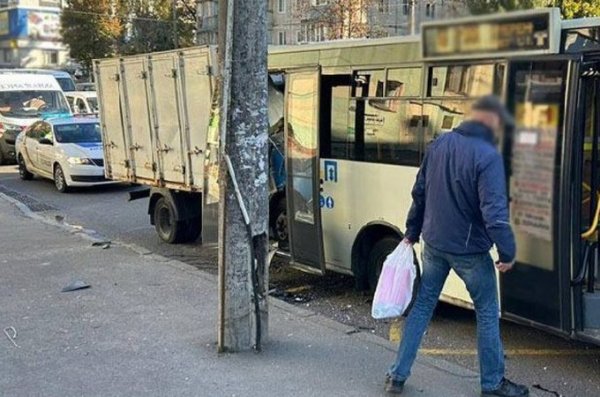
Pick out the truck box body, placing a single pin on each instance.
(155, 113)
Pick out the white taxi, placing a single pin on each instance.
(67, 150)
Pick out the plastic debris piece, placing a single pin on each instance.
(76, 285)
(102, 244)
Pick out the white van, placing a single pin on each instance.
(25, 98)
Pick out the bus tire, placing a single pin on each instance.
(279, 224)
(382, 248)
(168, 229)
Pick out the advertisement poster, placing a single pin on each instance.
(4, 24)
(43, 26)
(533, 159)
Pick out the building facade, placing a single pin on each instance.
(305, 21)
(30, 34)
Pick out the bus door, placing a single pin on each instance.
(303, 183)
(586, 199)
(535, 291)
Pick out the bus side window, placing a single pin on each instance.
(443, 116)
(463, 80)
(392, 132)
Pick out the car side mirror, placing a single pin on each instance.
(45, 141)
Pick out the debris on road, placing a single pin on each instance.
(288, 296)
(11, 334)
(542, 388)
(103, 244)
(76, 285)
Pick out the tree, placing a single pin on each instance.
(91, 29)
(569, 8)
(149, 25)
(490, 6)
(580, 8)
(336, 19)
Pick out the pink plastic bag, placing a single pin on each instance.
(395, 286)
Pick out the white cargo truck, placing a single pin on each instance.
(155, 112)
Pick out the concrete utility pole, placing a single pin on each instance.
(413, 17)
(175, 29)
(243, 234)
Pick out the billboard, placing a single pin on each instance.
(43, 25)
(21, 23)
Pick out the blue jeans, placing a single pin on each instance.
(478, 273)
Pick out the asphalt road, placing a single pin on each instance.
(562, 368)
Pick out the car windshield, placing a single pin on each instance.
(78, 133)
(32, 103)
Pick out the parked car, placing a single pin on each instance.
(85, 86)
(83, 102)
(67, 150)
(25, 98)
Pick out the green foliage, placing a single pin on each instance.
(569, 8)
(106, 28)
(490, 6)
(150, 25)
(90, 29)
(581, 8)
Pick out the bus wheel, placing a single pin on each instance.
(167, 228)
(279, 223)
(379, 252)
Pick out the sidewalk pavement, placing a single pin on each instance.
(147, 326)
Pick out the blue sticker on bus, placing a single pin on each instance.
(329, 203)
(322, 201)
(331, 171)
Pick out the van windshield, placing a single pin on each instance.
(78, 133)
(32, 103)
(66, 83)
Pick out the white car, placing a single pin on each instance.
(83, 102)
(67, 150)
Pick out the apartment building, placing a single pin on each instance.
(305, 21)
(30, 34)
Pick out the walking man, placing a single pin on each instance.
(461, 209)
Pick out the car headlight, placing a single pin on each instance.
(79, 161)
(10, 127)
(7, 127)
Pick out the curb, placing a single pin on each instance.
(298, 312)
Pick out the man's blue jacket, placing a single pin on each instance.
(459, 198)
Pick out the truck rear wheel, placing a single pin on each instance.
(193, 229)
(169, 230)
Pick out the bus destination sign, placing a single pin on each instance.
(535, 32)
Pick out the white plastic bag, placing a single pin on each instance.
(395, 286)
